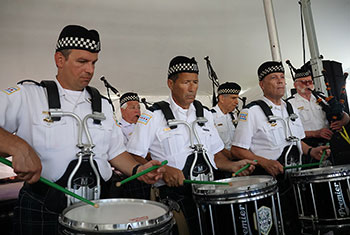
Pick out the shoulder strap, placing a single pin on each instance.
(52, 96)
(290, 111)
(164, 106)
(199, 110)
(95, 101)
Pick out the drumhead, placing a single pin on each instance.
(322, 173)
(115, 215)
(243, 188)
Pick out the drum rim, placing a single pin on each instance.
(325, 173)
(136, 226)
(245, 192)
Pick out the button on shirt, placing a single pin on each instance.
(224, 125)
(256, 134)
(311, 114)
(153, 135)
(21, 112)
(127, 129)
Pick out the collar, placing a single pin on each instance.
(177, 108)
(62, 92)
(124, 123)
(218, 110)
(312, 98)
(274, 106)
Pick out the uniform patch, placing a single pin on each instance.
(243, 116)
(11, 90)
(144, 118)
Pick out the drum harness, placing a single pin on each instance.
(85, 154)
(197, 166)
(288, 133)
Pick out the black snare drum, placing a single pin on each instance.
(250, 206)
(322, 195)
(117, 216)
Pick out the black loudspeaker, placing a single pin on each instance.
(335, 76)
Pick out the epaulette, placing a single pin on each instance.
(213, 110)
(289, 98)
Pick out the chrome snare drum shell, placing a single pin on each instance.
(322, 174)
(115, 216)
(243, 189)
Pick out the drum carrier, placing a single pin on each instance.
(197, 166)
(78, 179)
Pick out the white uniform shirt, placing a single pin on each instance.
(153, 135)
(311, 114)
(256, 134)
(127, 129)
(21, 112)
(224, 125)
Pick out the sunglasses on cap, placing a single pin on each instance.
(306, 82)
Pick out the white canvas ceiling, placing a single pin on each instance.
(139, 37)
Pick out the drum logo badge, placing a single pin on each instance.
(343, 210)
(265, 219)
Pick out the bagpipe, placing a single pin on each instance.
(215, 84)
(333, 107)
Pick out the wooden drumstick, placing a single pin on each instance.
(56, 186)
(118, 184)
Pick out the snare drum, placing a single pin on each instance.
(322, 195)
(250, 206)
(117, 216)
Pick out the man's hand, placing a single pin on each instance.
(173, 177)
(239, 164)
(153, 176)
(273, 167)
(324, 133)
(318, 151)
(26, 163)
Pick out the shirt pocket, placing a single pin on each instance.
(171, 142)
(51, 136)
(275, 133)
(100, 135)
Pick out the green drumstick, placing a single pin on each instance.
(56, 186)
(243, 168)
(118, 184)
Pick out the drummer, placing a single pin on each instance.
(44, 147)
(152, 134)
(258, 138)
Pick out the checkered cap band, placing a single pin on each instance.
(228, 91)
(302, 74)
(276, 68)
(78, 43)
(183, 67)
(125, 99)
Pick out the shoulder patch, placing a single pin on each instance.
(144, 118)
(11, 90)
(243, 116)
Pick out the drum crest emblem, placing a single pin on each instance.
(265, 219)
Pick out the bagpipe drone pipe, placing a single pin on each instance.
(215, 84)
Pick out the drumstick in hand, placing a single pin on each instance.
(56, 186)
(243, 169)
(118, 184)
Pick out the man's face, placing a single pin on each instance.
(184, 89)
(273, 85)
(303, 85)
(132, 111)
(77, 70)
(228, 101)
